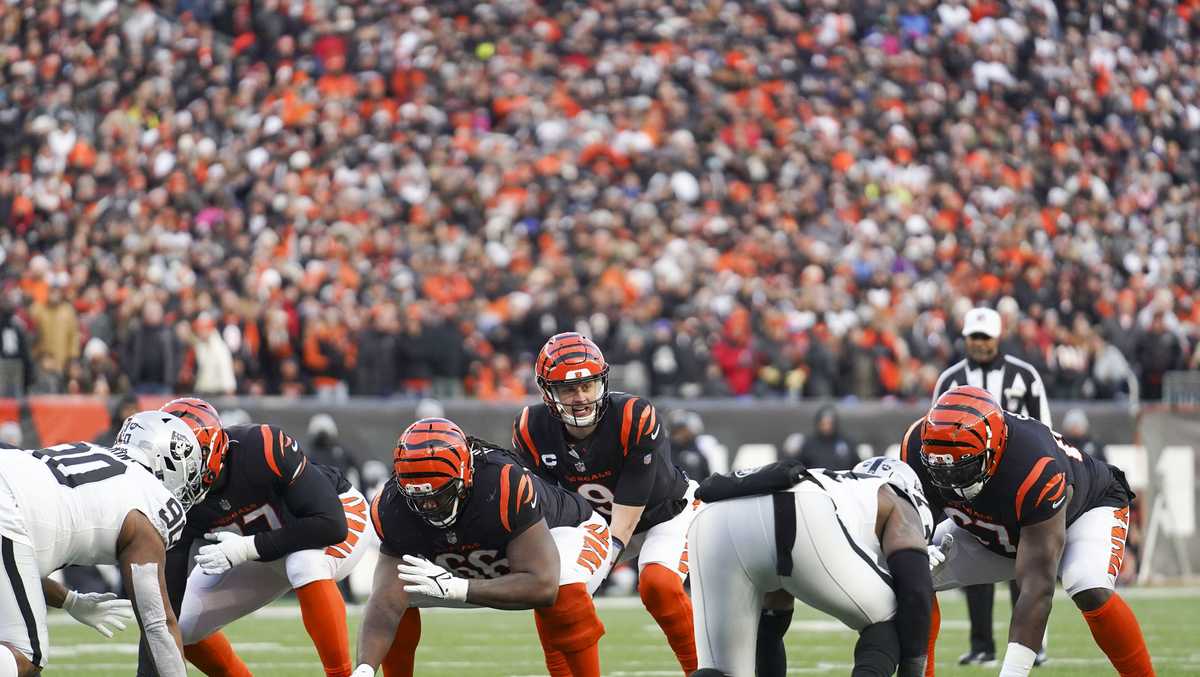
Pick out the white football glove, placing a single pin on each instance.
(939, 554)
(229, 551)
(103, 611)
(426, 578)
(363, 670)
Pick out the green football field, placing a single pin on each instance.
(486, 642)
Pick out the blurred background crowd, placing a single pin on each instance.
(774, 199)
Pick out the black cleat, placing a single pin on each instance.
(984, 658)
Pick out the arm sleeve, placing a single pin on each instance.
(913, 586)
(176, 574)
(644, 443)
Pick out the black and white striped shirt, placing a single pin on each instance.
(1014, 383)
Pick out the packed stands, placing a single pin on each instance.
(777, 199)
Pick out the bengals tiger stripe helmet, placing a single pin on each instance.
(434, 469)
(962, 440)
(204, 421)
(570, 359)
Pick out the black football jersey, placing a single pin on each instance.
(626, 459)
(260, 466)
(269, 489)
(505, 500)
(1030, 484)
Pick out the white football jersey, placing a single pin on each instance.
(72, 499)
(856, 499)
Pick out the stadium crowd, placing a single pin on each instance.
(777, 198)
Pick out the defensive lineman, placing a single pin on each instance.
(83, 504)
(1025, 505)
(851, 544)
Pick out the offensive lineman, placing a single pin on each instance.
(279, 523)
(84, 504)
(465, 525)
(611, 448)
(1024, 504)
(770, 535)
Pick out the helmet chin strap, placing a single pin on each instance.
(970, 491)
(449, 518)
(578, 422)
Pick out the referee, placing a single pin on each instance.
(1018, 388)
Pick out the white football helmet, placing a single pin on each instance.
(167, 447)
(904, 480)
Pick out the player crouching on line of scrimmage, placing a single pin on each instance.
(769, 535)
(1025, 505)
(463, 524)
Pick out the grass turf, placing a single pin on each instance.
(484, 642)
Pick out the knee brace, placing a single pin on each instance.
(571, 624)
(877, 652)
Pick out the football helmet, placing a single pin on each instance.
(906, 483)
(567, 361)
(167, 447)
(434, 469)
(204, 421)
(962, 440)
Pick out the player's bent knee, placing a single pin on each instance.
(1091, 599)
(573, 621)
(658, 586)
(877, 652)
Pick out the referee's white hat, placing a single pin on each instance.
(981, 321)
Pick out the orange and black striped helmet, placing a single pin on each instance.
(434, 469)
(203, 419)
(962, 440)
(570, 359)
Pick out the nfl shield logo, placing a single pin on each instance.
(580, 467)
(225, 504)
(451, 537)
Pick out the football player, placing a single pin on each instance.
(769, 537)
(271, 522)
(83, 504)
(1024, 504)
(463, 524)
(612, 449)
